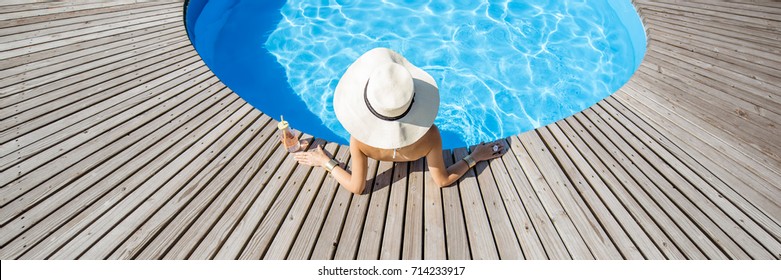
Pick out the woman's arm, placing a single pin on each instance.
(436, 166)
(354, 182)
(447, 176)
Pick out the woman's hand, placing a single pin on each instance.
(316, 157)
(486, 151)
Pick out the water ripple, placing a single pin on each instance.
(503, 67)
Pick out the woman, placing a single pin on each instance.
(388, 106)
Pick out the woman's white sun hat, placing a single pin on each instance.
(384, 101)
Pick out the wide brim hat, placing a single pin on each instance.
(385, 101)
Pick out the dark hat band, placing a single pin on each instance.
(381, 116)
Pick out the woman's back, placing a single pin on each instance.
(411, 152)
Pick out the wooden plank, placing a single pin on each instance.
(455, 226)
(433, 220)
(587, 225)
(741, 65)
(31, 136)
(713, 204)
(161, 228)
(525, 234)
(723, 114)
(271, 179)
(606, 208)
(32, 32)
(331, 231)
(19, 5)
(14, 26)
(772, 8)
(769, 7)
(413, 218)
(36, 110)
(35, 83)
(24, 189)
(481, 238)
(68, 49)
(213, 233)
(21, 53)
(293, 223)
(43, 135)
(25, 163)
(377, 214)
(394, 223)
(504, 235)
(56, 180)
(218, 239)
(714, 23)
(753, 36)
(349, 241)
(115, 170)
(742, 18)
(539, 224)
(749, 107)
(720, 78)
(621, 182)
(719, 156)
(31, 121)
(27, 24)
(637, 224)
(15, 6)
(683, 121)
(178, 191)
(316, 218)
(133, 178)
(737, 15)
(732, 48)
(20, 81)
(13, 49)
(766, 7)
(23, 91)
(745, 198)
(46, 64)
(227, 207)
(566, 229)
(714, 125)
(583, 188)
(287, 184)
(107, 218)
(44, 10)
(653, 184)
(199, 213)
(758, 39)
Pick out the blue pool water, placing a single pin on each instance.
(503, 67)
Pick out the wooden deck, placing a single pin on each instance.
(117, 142)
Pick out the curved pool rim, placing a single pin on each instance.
(624, 9)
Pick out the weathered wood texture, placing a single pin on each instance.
(117, 142)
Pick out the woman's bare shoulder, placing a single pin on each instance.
(433, 138)
(359, 148)
(356, 144)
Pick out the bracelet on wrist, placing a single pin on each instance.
(470, 161)
(330, 165)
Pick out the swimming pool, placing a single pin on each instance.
(503, 67)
